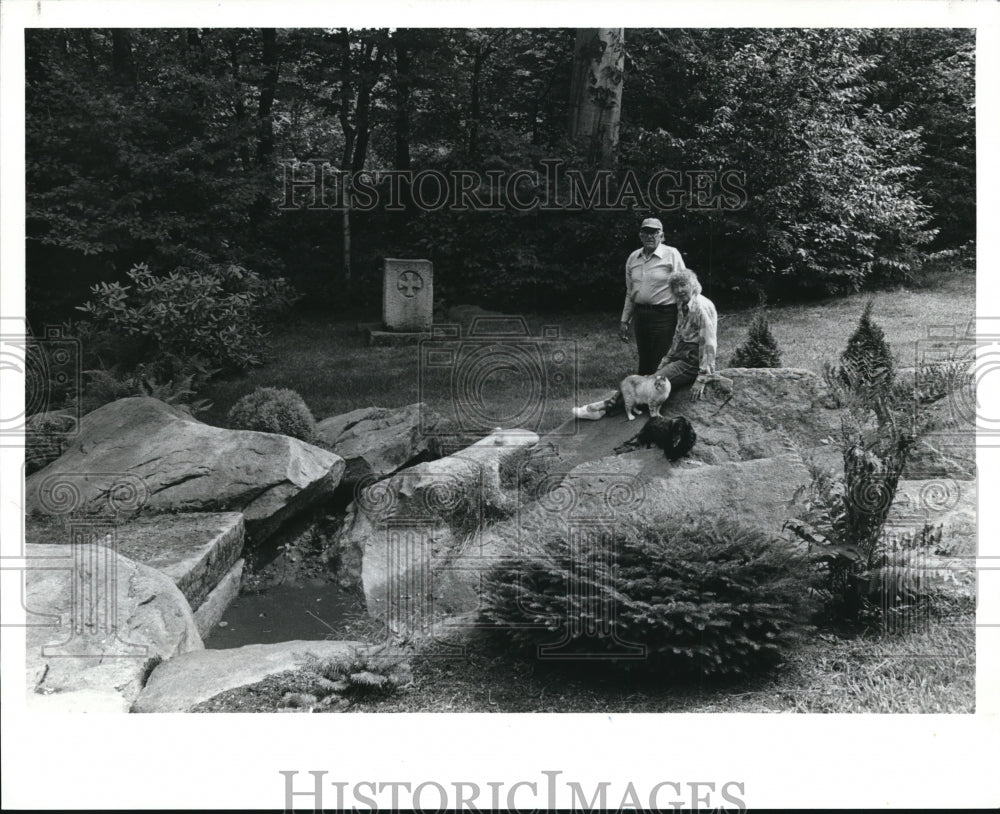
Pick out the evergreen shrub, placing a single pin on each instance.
(866, 363)
(760, 348)
(274, 409)
(704, 595)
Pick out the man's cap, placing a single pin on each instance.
(652, 223)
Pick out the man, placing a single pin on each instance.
(692, 353)
(648, 298)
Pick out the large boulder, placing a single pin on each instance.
(377, 441)
(186, 681)
(758, 493)
(400, 528)
(170, 461)
(596, 495)
(85, 639)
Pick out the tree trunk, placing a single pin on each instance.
(356, 135)
(474, 103)
(403, 79)
(371, 66)
(239, 109)
(121, 56)
(346, 158)
(268, 85)
(401, 162)
(596, 91)
(345, 224)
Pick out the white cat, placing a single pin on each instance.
(650, 390)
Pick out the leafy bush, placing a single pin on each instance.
(829, 176)
(274, 409)
(216, 312)
(759, 349)
(702, 595)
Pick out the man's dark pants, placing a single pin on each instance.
(654, 331)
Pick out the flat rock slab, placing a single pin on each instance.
(194, 549)
(597, 495)
(98, 621)
(183, 682)
(140, 453)
(418, 583)
(768, 412)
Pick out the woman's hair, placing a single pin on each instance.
(689, 276)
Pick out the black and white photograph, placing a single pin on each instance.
(413, 366)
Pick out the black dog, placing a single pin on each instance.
(675, 436)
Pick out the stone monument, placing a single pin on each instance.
(407, 295)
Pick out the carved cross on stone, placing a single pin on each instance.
(410, 282)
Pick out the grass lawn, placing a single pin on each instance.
(328, 362)
(930, 670)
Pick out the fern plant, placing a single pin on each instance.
(366, 674)
(890, 584)
(46, 437)
(863, 573)
(102, 386)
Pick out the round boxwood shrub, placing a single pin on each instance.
(274, 409)
(705, 596)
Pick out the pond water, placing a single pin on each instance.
(313, 610)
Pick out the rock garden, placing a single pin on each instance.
(165, 550)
